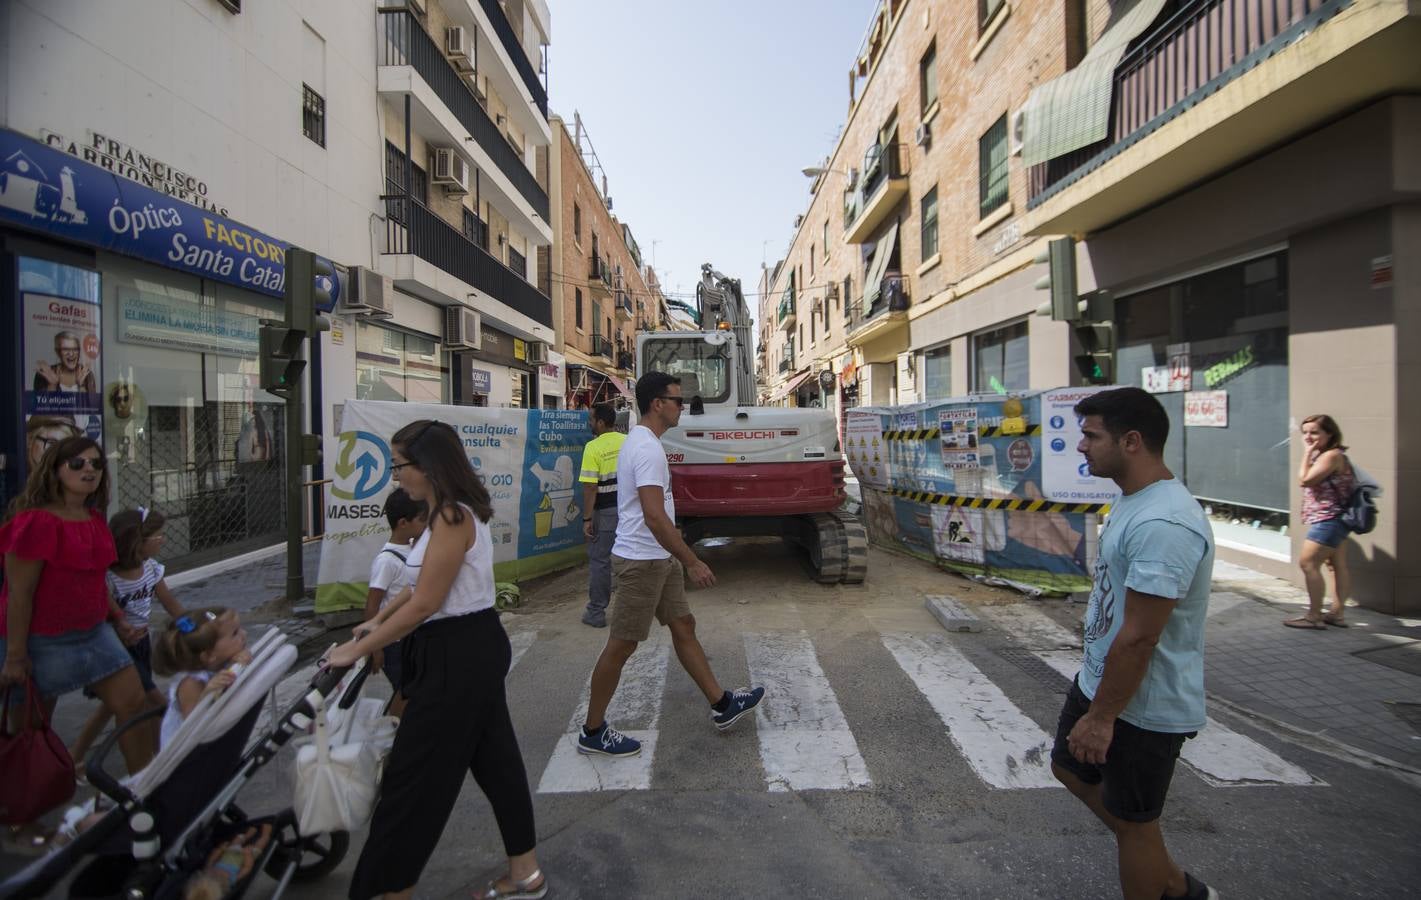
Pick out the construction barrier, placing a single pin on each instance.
(528, 459)
(982, 484)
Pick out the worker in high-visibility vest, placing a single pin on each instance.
(599, 508)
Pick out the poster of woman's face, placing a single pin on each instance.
(43, 432)
(62, 343)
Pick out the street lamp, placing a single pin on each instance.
(816, 171)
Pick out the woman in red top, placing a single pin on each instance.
(1328, 481)
(54, 607)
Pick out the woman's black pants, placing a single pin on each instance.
(456, 721)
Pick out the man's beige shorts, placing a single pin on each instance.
(642, 588)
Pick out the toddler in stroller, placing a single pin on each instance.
(168, 819)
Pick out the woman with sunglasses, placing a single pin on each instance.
(456, 719)
(54, 607)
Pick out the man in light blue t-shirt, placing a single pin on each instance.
(1140, 691)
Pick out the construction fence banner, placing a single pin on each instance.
(528, 459)
(983, 484)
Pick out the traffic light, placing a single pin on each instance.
(281, 363)
(1060, 280)
(1095, 332)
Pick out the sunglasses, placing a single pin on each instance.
(679, 401)
(398, 466)
(77, 464)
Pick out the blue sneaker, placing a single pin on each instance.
(607, 741)
(741, 702)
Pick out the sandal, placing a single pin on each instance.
(1336, 621)
(534, 887)
(1305, 622)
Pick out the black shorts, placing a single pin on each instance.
(394, 664)
(1138, 765)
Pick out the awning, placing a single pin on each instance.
(620, 385)
(789, 387)
(879, 266)
(1073, 110)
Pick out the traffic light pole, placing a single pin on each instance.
(299, 276)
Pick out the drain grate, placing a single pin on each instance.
(1032, 665)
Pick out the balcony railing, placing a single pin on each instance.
(411, 227)
(870, 202)
(601, 346)
(624, 308)
(786, 364)
(494, 10)
(1201, 47)
(599, 275)
(626, 359)
(892, 297)
(403, 42)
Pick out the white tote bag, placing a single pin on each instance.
(338, 772)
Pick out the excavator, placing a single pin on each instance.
(738, 469)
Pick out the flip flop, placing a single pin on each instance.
(1304, 623)
(1336, 622)
(534, 887)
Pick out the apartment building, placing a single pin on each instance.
(1239, 181)
(157, 162)
(601, 295)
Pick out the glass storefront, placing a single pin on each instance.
(1231, 325)
(1001, 360)
(186, 427)
(398, 365)
(937, 372)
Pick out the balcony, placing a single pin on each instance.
(601, 346)
(881, 312)
(785, 314)
(882, 185)
(412, 228)
(626, 360)
(786, 364)
(624, 308)
(1213, 85)
(599, 277)
(403, 42)
(494, 10)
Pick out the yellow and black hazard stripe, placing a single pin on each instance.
(911, 434)
(999, 502)
(989, 431)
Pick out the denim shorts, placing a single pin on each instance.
(1328, 533)
(61, 663)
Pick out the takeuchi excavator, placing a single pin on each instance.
(738, 469)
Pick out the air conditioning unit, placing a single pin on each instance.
(451, 170)
(832, 291)
(922, 135)
(463, 328)
(798, 220)
(853, 179)
(1018, 131)
(536, 352)
(458, 49)
(369, 293)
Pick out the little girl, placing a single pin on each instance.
(198, 649)
(134, 580)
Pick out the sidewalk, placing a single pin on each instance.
(1354, 690)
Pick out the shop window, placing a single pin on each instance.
(1001, 360)
(1231, 324)
(313, 115)
(937, 373)
(929, 220)
(398, 365)
(927, 78)
(993, 168)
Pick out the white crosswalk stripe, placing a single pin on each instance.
(520, 641)
(635, 712)
(1002, 745)
(805, 741)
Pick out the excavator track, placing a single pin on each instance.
(836, 547)
(855, 547)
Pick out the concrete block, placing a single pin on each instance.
(951, 613)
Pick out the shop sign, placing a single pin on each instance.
(1065, 477)
(555, 367)
(62, 350)
(1009, 235)
(44, 189)
(159, 321)
(480, 381)
(500, 347)
(1220, 372)
(1207, 409)
(135, 165)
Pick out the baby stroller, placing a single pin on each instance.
(167, 819)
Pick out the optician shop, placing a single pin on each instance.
(133, 319)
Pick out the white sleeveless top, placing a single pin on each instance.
(173, 718)
(472, 590)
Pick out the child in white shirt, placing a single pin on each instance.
(391, 575)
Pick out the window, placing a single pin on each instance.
(937, 373)
(518, 263)
(704, 369)
(577, 298)
(313, 115)
(825, 243)
(993, 167)
(811, 260)
(1001, 360)
(986, 11)
(397, 365)
(475, 229)
(395, 183)
(577, 223)
(929, 217)
(813, 336)
(927, 79)
(848, 287)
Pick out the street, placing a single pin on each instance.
(849, 784)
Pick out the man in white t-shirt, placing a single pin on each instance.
(650, 561)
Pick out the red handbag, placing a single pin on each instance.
(36, 771)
